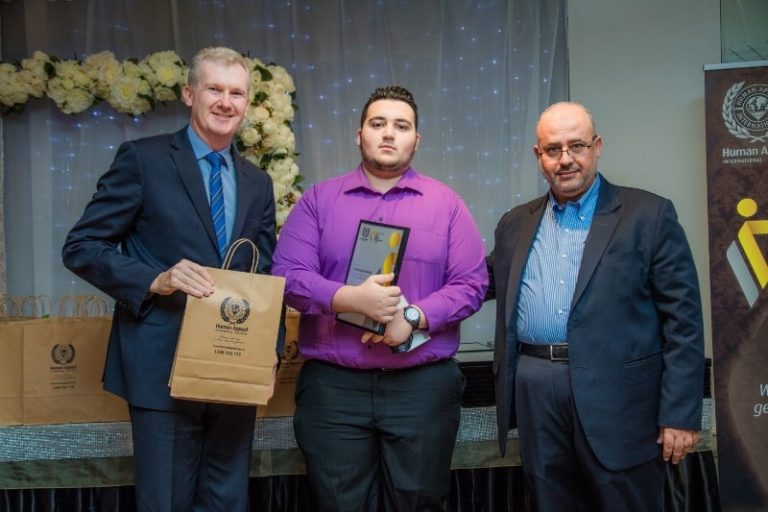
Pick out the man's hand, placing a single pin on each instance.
(185, 276)
(373, 298)
(397, 332)
(676, 443)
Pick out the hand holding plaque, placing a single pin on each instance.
(378, 249)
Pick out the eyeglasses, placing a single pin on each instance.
(573, 149)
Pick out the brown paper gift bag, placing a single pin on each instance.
(226, 348)
(283, 402)
(13, 315)
(51, 367)
(11, 335)
(63, 363)
(63, 366)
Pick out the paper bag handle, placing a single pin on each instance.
(231, 253)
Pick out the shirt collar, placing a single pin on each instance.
(409, 180)
(201, 148)
(586, 201)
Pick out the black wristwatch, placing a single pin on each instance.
(412, 315)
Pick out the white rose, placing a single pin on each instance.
(250, 136)
(281, 76)
(125, 95)
(257, 115)
(11, 90)
(164, 94)
(78, 100)
(103, 69)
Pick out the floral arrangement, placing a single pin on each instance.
(135, 87)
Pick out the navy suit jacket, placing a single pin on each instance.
(150, 211)
(635, 327)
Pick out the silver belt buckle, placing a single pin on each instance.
(552, 355)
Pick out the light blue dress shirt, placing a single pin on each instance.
(228, 181)
(549, 278)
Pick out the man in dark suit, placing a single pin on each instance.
(144, 239)
(599, 345)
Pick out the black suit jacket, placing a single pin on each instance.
(634, 331)
(150, 211)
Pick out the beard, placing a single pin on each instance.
(387, 168)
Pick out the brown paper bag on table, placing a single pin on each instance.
(63, 363)
(226, 347)
(63, 366)
(11, 335)
(283, 402)
(14, 312)
(51, 368)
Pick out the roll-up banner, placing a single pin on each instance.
(737, 183)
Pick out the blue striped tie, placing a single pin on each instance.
(217, 201)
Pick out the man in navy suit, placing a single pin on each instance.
(144, 239)
(599, 345)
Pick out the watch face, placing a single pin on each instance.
(412, 314)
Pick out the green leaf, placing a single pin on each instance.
(150, 99)
(259, 98)
(15, 109)
(266, 75)
(50, 69)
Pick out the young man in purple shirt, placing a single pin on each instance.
(377, 425)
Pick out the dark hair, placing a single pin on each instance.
(391, 92)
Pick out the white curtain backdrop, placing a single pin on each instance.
(481, 71)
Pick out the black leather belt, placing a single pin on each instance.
(558, 352)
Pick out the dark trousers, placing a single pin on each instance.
(378, 440)
(194, 458)
(561, 471)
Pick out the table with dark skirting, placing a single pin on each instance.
(89, 467)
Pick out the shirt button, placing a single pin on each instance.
(559, 311)
(567, 230)
(562, 282)
(564, 256)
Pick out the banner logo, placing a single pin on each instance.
(745, 111)
(235, 311)
(748, 263)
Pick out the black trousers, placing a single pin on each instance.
(562, 473)
(195, 458)
(378, 440)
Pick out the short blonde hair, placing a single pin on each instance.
(219, 55)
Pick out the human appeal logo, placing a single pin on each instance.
(62, 354)
(235, 311)
(745, 111)
(744, 255)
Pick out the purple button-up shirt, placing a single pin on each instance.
(443, 269)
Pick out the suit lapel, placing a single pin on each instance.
(604, 223)
(189, 171)
(520, 254)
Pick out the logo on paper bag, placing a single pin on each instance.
(62, 354)
(235, 311)
(745, 111)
